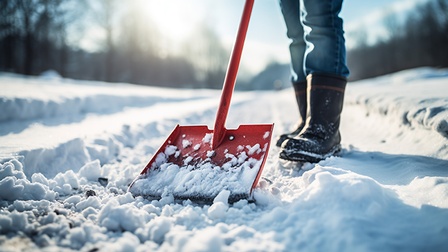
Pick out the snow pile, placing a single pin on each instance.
(201, 180)
(64, 175)
(50, 75)
(337, 206)
(415, 104)
(15, 186)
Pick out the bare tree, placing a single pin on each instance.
(35, 34)
(105, 13)
(209, 56)
(9, 34)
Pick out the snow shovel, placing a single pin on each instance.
(198, 163)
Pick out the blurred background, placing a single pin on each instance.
(187, 43)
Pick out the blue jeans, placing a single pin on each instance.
(317, 35)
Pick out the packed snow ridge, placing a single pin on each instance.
(70, 149)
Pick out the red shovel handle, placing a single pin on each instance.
(230, 79)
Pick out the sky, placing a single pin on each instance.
(266, 39)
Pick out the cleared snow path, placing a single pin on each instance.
(64, 175)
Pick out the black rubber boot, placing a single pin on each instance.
(300, 93)
(321, 137)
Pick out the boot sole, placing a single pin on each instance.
(303, 156)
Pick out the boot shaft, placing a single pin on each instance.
(300, 90)
(325, 102)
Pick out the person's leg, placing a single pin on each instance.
(294, 30)
(324, 36)
(327, 72)
(291, 14)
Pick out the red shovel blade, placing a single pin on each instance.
(187, 167)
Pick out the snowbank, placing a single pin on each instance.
(413, 103)
(38, 98)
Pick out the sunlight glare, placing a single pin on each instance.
(174, 18)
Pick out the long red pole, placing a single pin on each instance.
(230, 79)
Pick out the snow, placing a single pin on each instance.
(201, 181)
(69, 150)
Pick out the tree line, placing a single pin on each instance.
(38, 35)
(420, 40)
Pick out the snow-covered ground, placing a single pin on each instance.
(69, 149)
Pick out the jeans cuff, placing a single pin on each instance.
(328, 80)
